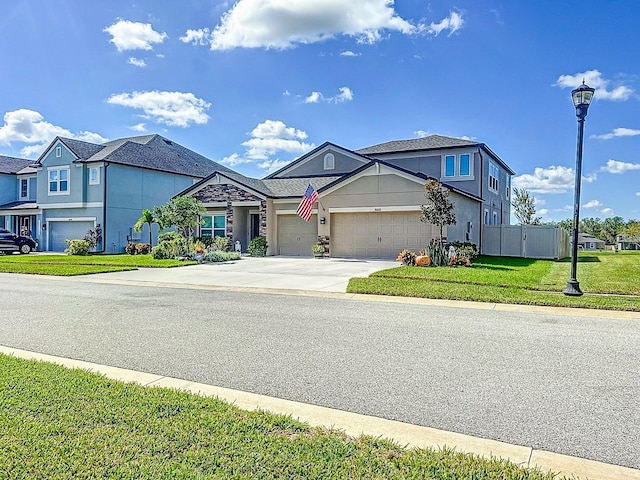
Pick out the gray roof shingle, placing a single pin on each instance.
(12, 165)
(295, 187)
(430, 142)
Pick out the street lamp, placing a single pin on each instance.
(582, 97)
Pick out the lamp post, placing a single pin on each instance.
(582, 97)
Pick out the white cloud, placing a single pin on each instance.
(543, 211)
(140, 127)
(235, 159)
(29, 126)
(345, 95)
(594, 79)
(138, 62)
(555, 179)
(614, 166)
(453, 23)
(128, 35)
(618, 132)
(284, 24)
(421, 133)
(175, 109)
(197, 37)
(273, 165)
(638, 194)
(592, 204)
(349, 53)
(607, 211)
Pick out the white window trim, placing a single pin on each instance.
(58, 151)
(329, 161)
(213, 228)
(495, 190)
(97, 179)
(68, 190)
(23, 197)
(456, 167)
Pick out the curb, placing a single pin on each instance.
(355, 424)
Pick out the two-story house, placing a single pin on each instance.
(18, 188)
(368, 200)
(76, 186)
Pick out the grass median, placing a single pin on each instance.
(60, 423)
(610, 281)
(67, 265)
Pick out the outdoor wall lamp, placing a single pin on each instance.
(582, 97)
(323, 220)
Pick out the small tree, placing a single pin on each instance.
(524, 207)
(147, 218)
(632, 231)
(439, 209)
(183, 212)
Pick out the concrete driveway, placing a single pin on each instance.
(282, 273)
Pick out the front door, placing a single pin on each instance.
(255, 225)
(25, 226)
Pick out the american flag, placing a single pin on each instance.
(306, 204)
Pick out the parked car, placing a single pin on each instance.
(10, 242)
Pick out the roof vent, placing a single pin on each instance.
(168, 142)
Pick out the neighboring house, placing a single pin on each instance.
(82, 186)
(589, 242)
(368, 200)
(18, 189)
(626, 242)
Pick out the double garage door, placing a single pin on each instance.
(61, 231)
(378, 235)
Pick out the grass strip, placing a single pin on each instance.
(407, 287)
(58, 423)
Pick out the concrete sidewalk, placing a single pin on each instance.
(356, 424)
(280, 273)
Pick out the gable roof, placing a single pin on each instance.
(153, 152)
(12, 165)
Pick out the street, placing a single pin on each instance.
(566, 384)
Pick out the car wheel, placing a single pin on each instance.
(25, 248)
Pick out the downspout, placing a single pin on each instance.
(104, 210)
(481, 222)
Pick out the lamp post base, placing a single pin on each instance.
(573, 289)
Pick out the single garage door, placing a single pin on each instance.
(295, 236)
(61, 231)
(378, 235)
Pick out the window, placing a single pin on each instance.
(59, 181)
(458, 167)
(24, 188)
(508, 190)
(465, 165)
(494, 175)
(486, 216)
(450, 166)
(495, 218)
(58, 152)
(94, 176)
(213, 226)
(329, 161)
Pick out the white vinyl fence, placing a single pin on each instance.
(527, 241)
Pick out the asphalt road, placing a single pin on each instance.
(566, 384)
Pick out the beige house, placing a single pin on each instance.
(368, 200)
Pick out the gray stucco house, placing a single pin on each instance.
(368, 199)
(75, 186)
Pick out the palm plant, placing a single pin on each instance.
(147, 218)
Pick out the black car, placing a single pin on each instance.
(10, 242)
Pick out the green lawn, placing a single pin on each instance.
(80, 264)
(610, 281)
(58, 423)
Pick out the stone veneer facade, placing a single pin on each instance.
(228, 194)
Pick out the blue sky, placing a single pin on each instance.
(256, 83)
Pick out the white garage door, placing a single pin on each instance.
(378, 235)
(61, 231)
(295, 236)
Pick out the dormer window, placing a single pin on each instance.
(329, 161)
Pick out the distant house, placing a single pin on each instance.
(75, 186)
(589, 242)
(628, 243)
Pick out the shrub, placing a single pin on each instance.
(168, 249)
(222, 243)
(468, 249)
(130, 248)
(407, 257)
(143, 248)
(78, 246)
(207, 242)
(257, 247)
(220, 256)
(168, 236)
